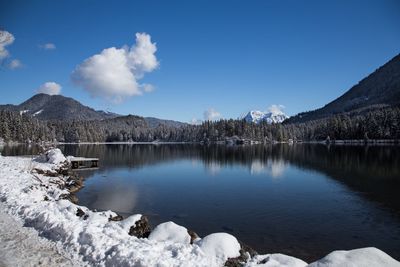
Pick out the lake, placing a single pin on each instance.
(303, 200)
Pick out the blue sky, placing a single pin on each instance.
(231, 56)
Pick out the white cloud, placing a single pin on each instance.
(50, 88)
(141, 56)
(15, 64)
(48, 46)
(276, 109)
(6, 39)
(211, 115)
(147, 87)
(114, 73)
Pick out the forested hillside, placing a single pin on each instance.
(380, 89)
(381, 123)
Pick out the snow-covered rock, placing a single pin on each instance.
(357, 258)
(275, 260)
(220, 245)
(270, 117)
(128, 222)
(55, 156)
(170, 232)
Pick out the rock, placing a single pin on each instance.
(74, 184)
(141, 229)
(50, 173)
(116, 218)
(80, 212)
(74, 199)
(246, 253)
(71, 197)
(193, 236)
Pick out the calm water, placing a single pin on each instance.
(302, 200)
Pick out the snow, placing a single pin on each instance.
(170, 232)
(23, 111)
(357, 258)
(21, 246)
(270, 117)
(37, 112)
(55, 156)
(36, 201)
(275, 260)
(220, 246)
(128, 222)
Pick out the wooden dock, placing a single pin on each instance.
(84, 163)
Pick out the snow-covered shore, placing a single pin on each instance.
(21, 246)
(86, 237)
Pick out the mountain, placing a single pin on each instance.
(154, 122)
(57, 107)
(270, 117)
(380, 89)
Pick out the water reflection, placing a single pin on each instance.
(273, 168)
(213, 168)
(372, 170)
(114, 196)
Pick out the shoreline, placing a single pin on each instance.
(331, 142)
(105, 230)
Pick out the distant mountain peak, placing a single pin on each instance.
(57, 107)
(256, 116)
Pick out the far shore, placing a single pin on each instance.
(247, 142)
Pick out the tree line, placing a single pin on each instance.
(383, 123)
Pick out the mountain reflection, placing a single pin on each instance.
(371, 170)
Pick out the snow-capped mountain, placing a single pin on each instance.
(257, 116)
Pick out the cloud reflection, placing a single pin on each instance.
(213, 168)
(119, 198)
(273, 168)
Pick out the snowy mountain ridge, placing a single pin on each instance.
(270, 117)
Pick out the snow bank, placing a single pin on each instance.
(170, 232)
(91, 238)
(275, 260)
(21, 246)
(356, 258)
(55, 156)
(220, 246)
